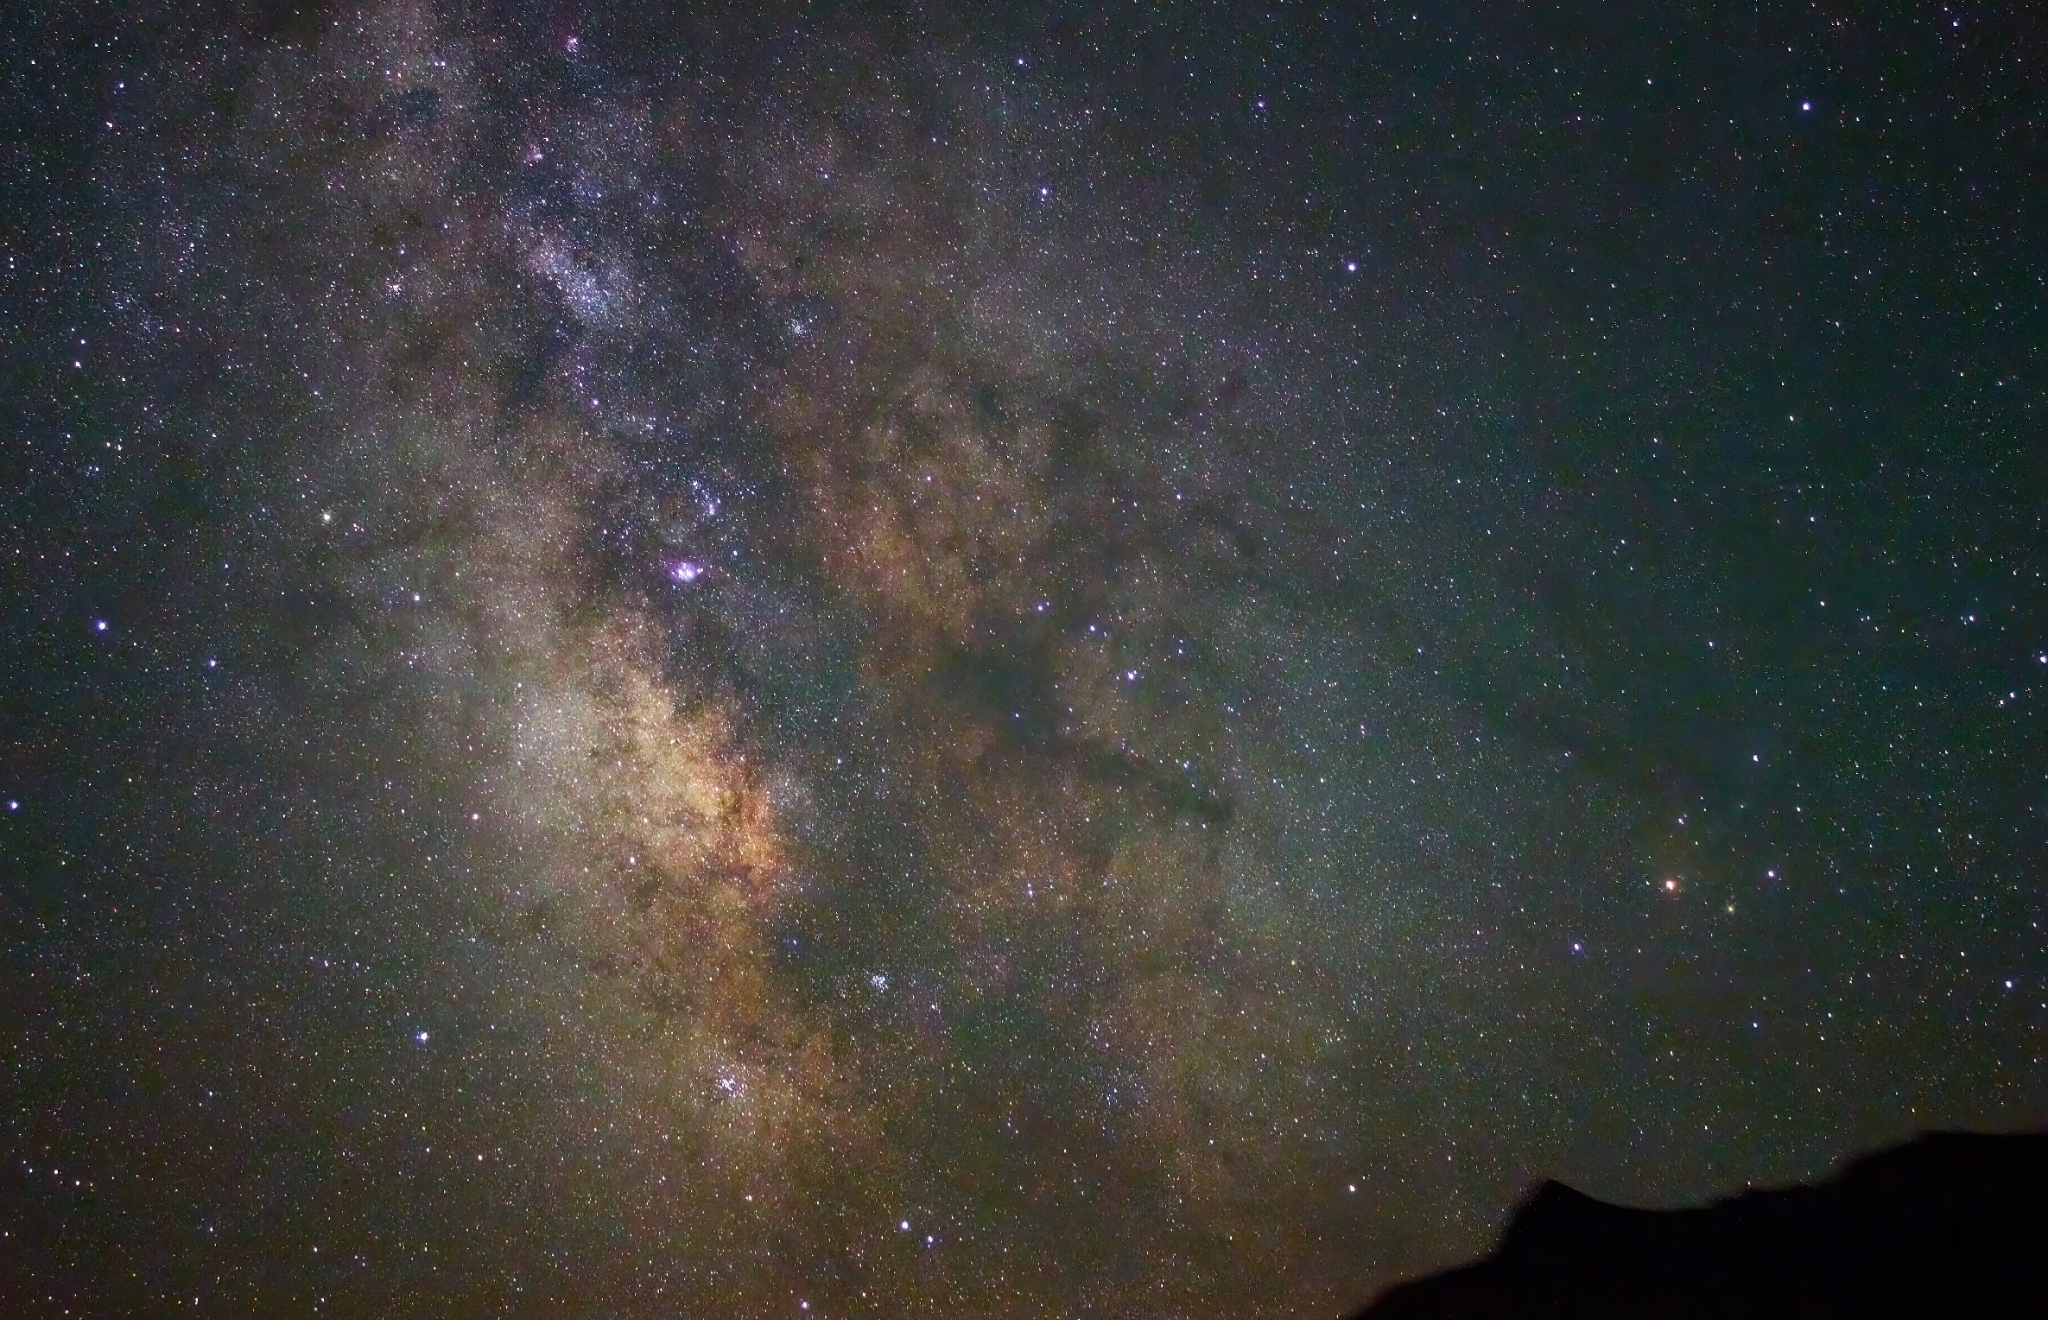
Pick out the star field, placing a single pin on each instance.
(872, 662)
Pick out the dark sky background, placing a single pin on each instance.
(1098, 661)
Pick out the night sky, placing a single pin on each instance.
(1104, 661)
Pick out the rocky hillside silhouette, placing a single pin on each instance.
(1949, 1225)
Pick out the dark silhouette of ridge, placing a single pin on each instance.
(1950, 1225)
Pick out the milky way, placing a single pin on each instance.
(799, 667)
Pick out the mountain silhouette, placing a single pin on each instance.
(1949, 1225)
